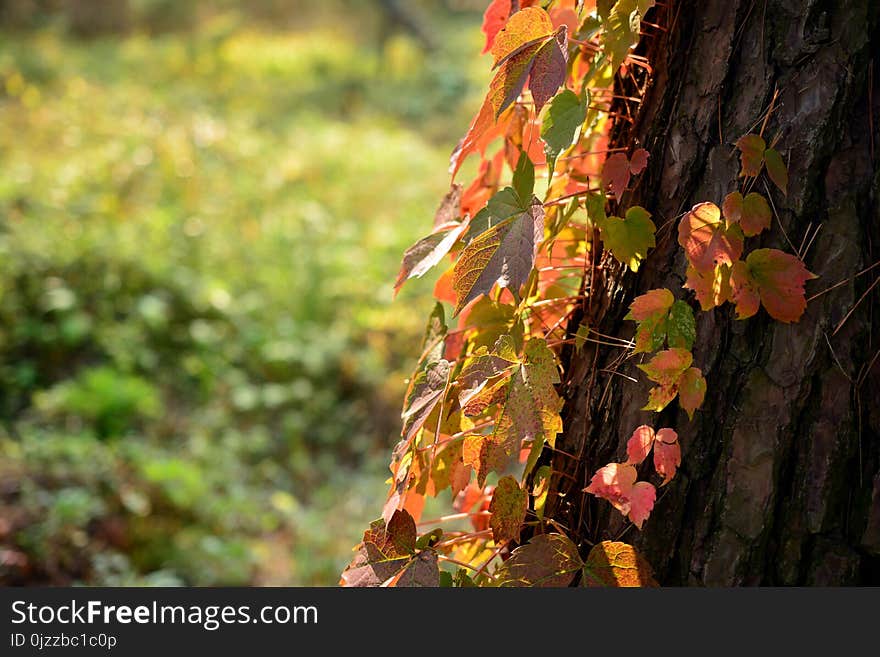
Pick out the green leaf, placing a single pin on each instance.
(565, 115)
(524, 178)
(776, 169)
(629, 239)
(580, 338)
(622, 21)
(501, 206)
(681, 330)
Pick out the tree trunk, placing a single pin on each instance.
(779, 482)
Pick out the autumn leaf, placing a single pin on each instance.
(540, 488)
(672, 371)
(772, 278)
(629, 239)
(530, 413)
(421, 571)
(776, 169)
(618, 168)
(427, 252)
(667, 366)
(484, 365)
(494, 18)
(425, 391)
(449, 210)
(397, 539)
(503, 254)
(712, 287)
(707, 239)
(508, 509)
(369, 568)
(549, 69)
(751, 149)
(752, 213)
(667, 454)
(639, 444)
(547, 560)
(616, 482)
(384, 552)
(562, 120)
(524, 28)
(617, 564)
(691, 390)
(661, 320)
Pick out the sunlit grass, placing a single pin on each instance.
(275, 180)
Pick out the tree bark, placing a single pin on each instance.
(779, 482)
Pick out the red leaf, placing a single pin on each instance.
(774, 277)
(752, 212)
(667, 366)
(616, 482)
(639, 444)
(494, 18)
(615, 173)
(667, 454)
(707, 240)
(638, 161)
(642, 499)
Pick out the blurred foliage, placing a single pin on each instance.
(200, 366)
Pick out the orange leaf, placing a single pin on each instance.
(651, 304)
(494, 18)
(618, 565)
(524, 28)
(774, 277)
(712, 287)
(667, 366)
(706, 238)
(691, 390)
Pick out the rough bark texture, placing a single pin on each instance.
(779, 483)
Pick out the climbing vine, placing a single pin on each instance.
(546, 213)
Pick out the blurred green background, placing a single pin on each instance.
(202, 210)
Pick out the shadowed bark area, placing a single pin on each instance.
(779, 483)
